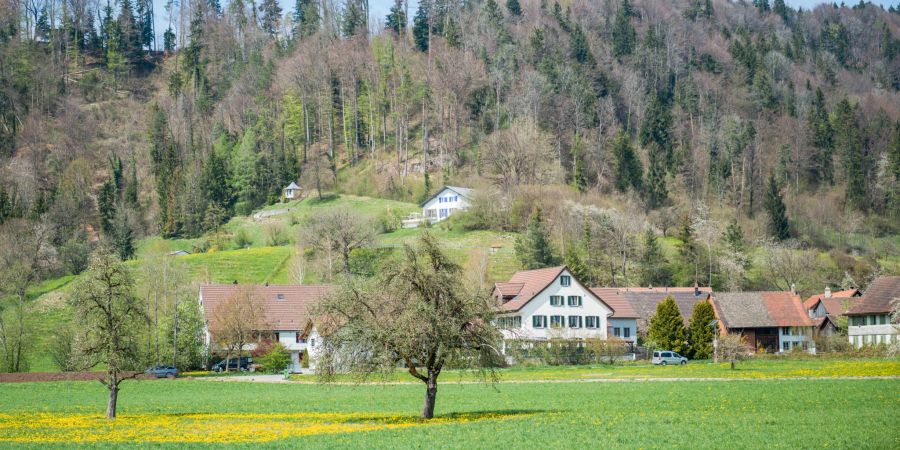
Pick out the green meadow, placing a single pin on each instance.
(799, 413)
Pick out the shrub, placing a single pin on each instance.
(732, 349)
(242, 239)
(304, 359)
(276, 235)
(277, 359)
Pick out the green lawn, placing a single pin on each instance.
(751, 369)
(696, 414)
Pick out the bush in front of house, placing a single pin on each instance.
(276, 359)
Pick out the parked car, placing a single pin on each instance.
(665, 357)
(234, 364)
(163, 371)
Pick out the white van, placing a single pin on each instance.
(664, 357)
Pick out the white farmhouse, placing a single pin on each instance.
(446, 202)
(287, 312)
(870, 318)
(543, 303)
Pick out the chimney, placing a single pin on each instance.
(827, 292)
(793, 289)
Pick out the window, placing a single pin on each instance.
(617, 331)
(667, 354)
(592, 322)
(557, 321)
(556, 300)
(312, 342)
(565, 280)
(785, 345)
(882, 320)
(297, 338)
(539, 321)
(626, 332)
(575, 321)
(279, 297)
(574, 300)
(509, 322)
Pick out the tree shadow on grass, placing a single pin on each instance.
(493, 414)
(314, 200)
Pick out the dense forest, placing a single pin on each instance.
(735, 127)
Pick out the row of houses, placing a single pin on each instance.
(552, 303)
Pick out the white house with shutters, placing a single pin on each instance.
(546, 303)
(445, 203)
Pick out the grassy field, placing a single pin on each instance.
(751, 369)
(704, 414)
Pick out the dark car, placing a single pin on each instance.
(163, 371)
(234, 364)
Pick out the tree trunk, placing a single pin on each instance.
(111, 403)
(430, 396)
(732, 365)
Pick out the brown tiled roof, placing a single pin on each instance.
(644, 301)
(878, 297)
(810, 303)
(761, 310)
(621, 306)
(532, 282)
(290, 312)
(527, 284)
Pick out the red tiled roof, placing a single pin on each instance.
(878, 297)
(761, 310)
(616, 300)
(509, 289)
(532, 283)
(810, 303)
(785, 309)
(290, 312)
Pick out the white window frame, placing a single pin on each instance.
(540, 318)
(580, 301)
(578, 323)
(557, 300)
(565, 280)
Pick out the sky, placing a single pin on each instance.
(380, 8)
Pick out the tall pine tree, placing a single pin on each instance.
(700, 333)
(778, 222)
(533, 247)
(627, 169)
(666, 328)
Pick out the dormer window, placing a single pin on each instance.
(565, 281)
(279, 297)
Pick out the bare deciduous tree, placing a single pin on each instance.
(237, 321)
(418, 314)
(521, 154)
(338, 231)
(732, 348)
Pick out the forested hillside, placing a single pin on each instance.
(734, 144)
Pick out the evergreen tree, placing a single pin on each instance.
(354, 21)
(623, 34)
(762, 6)
(626, 165)
(131, 35)
(734, 237)
(421, 27)
(781, 9)
(774, 204)
(579, 180)
(653, 265)
(493, 13)
(892, 174)
(214, 181)
(850, 145)
(700, 333)
(656, 190)
(131, 188)
(169, 40)
(106, 206)
(305, 18)
(657, 128)
(533, 247)
(666, 328)
(576, 265)
(514, 7)
(687, 247)
(396, 18)
(123, 237)
(580, 50)
(821, 138)
(271, 16)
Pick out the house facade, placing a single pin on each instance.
(634, 306)
(293, 192)
(447, 201)
(869, 320)
(771, 322)
(825, 309)
(286, 310)
(549, 303)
